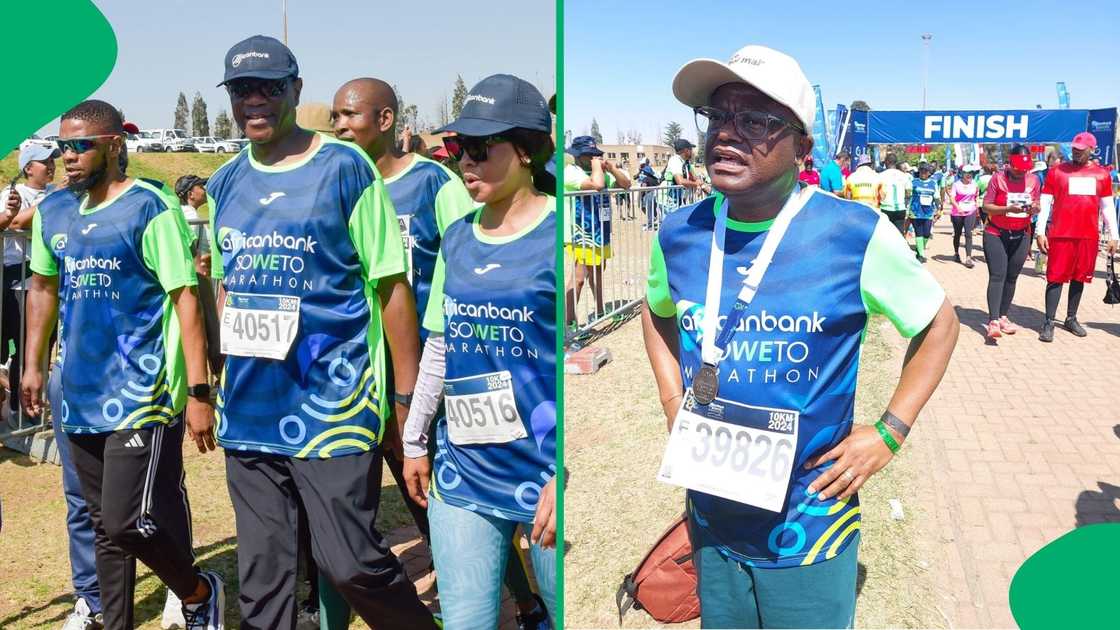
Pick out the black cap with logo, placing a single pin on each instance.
(501, 102)
(680, 144)
(259, 57)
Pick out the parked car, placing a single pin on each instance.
(143, 142)
(172, 139)
(210, 144)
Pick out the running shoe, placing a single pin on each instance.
(968, 263)
(922, 259)
(956, 257)
(993, 329)
(1071, 324)
(82, 618)
(1047, 333)
(172, 612)
(1006, 327)
(210, 614)
(536, 620)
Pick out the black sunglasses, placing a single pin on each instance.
(751, 125)
(80, 144)
(268, 88)
(477, 147)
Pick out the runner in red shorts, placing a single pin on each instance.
(1078, 193)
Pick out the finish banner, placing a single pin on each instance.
(946, 127)
(1102, 124)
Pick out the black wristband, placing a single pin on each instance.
(894, 423)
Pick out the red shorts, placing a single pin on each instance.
(1071, 260)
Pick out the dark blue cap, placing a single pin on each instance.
(584, 145)
(259, 57)
(499, 103)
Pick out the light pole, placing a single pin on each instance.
(284, 8)
(925, 65)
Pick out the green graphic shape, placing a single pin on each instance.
(73, 39)
(1071, 582)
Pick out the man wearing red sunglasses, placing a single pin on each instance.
(1074, 195)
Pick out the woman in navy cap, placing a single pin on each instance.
(491, 354)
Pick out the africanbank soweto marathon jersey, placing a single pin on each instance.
(495, 301)
(428, 197)
(797, 349)
(119, 342)
(302, 249)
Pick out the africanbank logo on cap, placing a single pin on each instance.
(744, 59)
(480, 98)
(238, 58)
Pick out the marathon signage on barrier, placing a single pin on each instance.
(1102, 124)
(942, 127)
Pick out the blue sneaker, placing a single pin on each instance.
(210, 614)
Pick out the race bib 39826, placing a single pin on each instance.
(739, 452)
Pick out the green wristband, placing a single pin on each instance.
(887, 437)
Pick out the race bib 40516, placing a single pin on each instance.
(482, 409)
(730, 450)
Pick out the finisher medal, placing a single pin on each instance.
(705, 385)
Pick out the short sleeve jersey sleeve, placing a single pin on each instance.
(452, 202)
(42, 261)
(376, 234)
(657, 284)
(894, 284)
(166, 250)
(574, 178)
(675, 167)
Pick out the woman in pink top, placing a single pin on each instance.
(962, 198)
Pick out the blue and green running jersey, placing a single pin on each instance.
(797, 349)
(120, 353)
(590, 213)
(924, 198)
(428, 197)
(494, 299)
(322, 230)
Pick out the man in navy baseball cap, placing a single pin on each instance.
(499, 103)
(260, 57)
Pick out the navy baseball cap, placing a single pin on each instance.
(259, 57)
(584, 145)
(680, 144)
(499, 103)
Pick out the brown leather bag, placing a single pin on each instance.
(664, 583)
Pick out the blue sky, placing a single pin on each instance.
(620, 57)
(168, 46)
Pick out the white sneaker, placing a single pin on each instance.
(81, 618)
(172, 612)
(210, 614)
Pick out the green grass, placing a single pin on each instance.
(166, 167)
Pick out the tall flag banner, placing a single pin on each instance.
(833, 132)
(1063, 103)
(841, 128)
(822, 154)
(1102, 124)
(855, 136)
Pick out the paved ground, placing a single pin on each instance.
(1021, 440)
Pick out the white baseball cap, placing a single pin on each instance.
(773, 73)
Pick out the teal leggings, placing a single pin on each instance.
(734, 595)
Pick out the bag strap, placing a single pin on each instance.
(626, 597)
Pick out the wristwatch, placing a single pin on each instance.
(403, 399)
(200, 391)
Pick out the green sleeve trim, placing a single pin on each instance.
(894, 284)
(433, 314)
(453, 202)
(217, 269)
(657, 285)
(166, 250)
(376, 234)
(42, 261)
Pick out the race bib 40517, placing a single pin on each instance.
(259, 325)
(739, 452)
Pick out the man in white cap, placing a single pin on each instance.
(36, 166)
(782, 281)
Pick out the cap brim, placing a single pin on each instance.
(698, 79)
(476, 127)
(256, 74)
(1081, 147)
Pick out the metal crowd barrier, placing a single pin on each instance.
(13, 306)
(607, 240)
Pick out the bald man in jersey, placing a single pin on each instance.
(428, 197)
